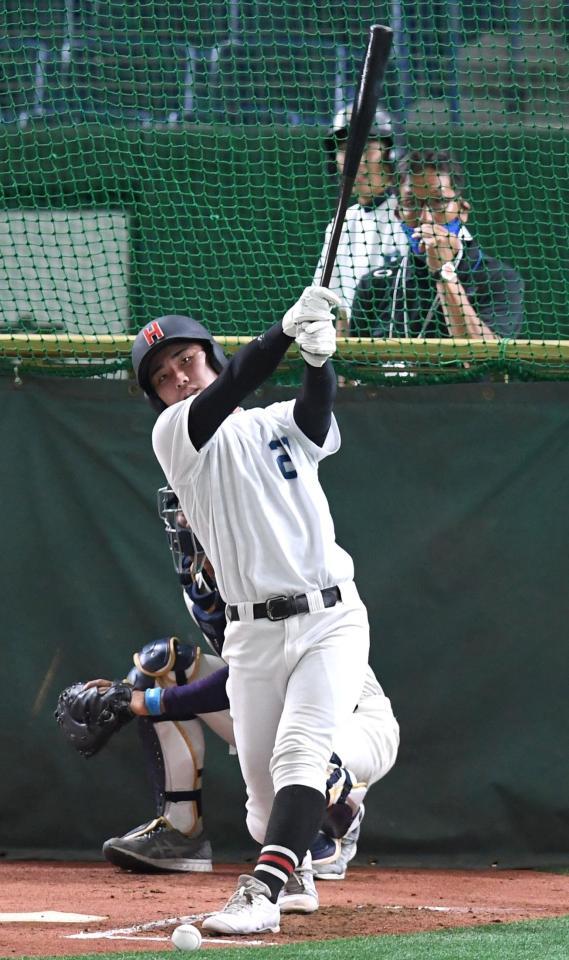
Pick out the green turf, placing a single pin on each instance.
(533, 940)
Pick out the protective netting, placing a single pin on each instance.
(175, 157)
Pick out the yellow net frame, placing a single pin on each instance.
(414, 351)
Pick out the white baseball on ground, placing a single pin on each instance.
(187, 937)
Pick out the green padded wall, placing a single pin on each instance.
(451, 501)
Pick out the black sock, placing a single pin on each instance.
(295, 818)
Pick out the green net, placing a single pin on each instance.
(175, 157)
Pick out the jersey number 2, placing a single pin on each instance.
(284, 462)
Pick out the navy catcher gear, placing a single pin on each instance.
(344, 797)
(208, 610)
(168, 330)
(202, 598)
(160, 657)
(88, 718)
(187, 552)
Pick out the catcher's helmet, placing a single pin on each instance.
(169, 329)
(187, 552)
(381, 129)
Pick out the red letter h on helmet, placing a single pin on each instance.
(153, 332)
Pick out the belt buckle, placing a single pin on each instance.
(268, 608)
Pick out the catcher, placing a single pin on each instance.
(174, 688)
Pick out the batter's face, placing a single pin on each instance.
(180, 370)
(374, 174)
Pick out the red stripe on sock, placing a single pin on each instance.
(277, 860)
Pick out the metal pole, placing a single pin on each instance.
(404, 73)
(516, 95)
(454, 37)
(403, 54)
(234, 20)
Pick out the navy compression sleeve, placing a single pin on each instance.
(313, 407)
(245, 372)
(200, 696)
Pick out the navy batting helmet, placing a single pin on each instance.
(162, 331)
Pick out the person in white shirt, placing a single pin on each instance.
(177, 689)
(372, 237)
(247, 481)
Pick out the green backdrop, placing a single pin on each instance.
(238, 265)
(451, 501)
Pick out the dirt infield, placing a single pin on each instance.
(139, 912)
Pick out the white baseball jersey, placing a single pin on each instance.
(369, 235)
(253, 498)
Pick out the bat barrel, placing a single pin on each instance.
(365, 103)
(367, 95)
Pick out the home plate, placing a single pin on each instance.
(47, 916)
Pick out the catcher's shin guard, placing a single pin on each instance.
(174, 753)
(174, 750)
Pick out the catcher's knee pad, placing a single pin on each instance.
(344, 795)
(167, 659)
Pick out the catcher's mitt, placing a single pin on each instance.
(88, 718)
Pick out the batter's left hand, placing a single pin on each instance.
(437, 244)
(317, 342)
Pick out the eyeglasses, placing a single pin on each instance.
(412, 206)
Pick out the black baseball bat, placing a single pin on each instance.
(363, 111)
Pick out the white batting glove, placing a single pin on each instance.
(317, 342)
(315, 303)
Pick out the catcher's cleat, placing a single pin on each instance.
(328, 866)
(324, 849)
(156, 847)
(299, 892)
(249, 910)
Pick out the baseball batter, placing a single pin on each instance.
(248, 483)
(176, 688)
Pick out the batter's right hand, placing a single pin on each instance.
(315, 303)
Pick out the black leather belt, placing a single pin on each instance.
(279, 608)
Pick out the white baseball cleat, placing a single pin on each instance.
(299, 892)
(249, 910)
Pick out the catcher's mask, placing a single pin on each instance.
(165, 330)
(381, 129)
(186, 550)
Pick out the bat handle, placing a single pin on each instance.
(336, 231)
